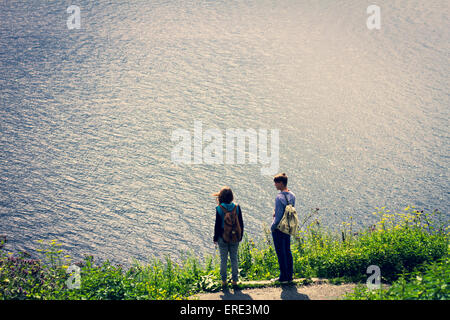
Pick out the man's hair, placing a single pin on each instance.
(281, 177)
(225, 195)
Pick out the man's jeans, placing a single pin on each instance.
(224, 249)
(282, 243)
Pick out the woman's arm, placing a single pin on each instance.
(241, 222)
(217, 227)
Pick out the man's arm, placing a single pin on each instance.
(279, 212)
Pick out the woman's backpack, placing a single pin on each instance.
(289, 222)
(232, 232)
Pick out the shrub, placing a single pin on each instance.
(429, 282)
(397, 243)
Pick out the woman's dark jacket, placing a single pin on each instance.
(218, 227)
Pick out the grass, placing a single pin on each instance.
(430, 281)
(406, 246)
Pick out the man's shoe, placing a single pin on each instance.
(277, 280)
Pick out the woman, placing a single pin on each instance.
(228, 232)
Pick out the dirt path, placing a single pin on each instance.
(316, 291)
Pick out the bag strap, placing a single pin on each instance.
(286, 199)
(225, 211)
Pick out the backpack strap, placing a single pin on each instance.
(287, 201)
(225, 211)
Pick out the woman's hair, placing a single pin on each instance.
(225, 195)
(281, 177)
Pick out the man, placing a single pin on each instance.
(282, 241)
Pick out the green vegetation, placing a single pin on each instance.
(411, 249)
(429, 282)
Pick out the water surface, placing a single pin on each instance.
(86, 116)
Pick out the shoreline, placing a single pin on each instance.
(398, 243)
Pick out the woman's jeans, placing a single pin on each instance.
(224, 249)
(282, 243)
